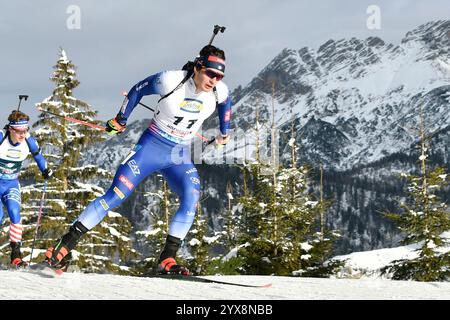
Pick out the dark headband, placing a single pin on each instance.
(212, 62)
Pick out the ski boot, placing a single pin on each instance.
(16, 256)
(170, 267)
(58, 257)
(167, 264)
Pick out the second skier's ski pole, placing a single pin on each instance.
(89, 124)
(39, 219)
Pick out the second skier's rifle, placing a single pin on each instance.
(21, 96)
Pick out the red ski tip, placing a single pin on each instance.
(59, 272)
(266, 285)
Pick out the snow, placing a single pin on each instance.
(211, 240)
(149, 233)
(78, 286)
(306, 246)
(371, 261)
(112, 214)
(115, 233)
(63, 58)
(234, 252)
(194, 242)
(367, 264)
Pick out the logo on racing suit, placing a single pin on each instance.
(9, 169)
(104, 204)
(134, 167)
(126, 182)
(13, 154)
(142, 86)
(191, 105)
(227, 116)
(13, 194)
(191, 171)
(119, 193)
(195, 180)
(124, 105)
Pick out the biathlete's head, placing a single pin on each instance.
(209, 68)
(18, 126)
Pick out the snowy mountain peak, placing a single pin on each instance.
(435, 35)
(368, 90)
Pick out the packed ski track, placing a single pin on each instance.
(79, 286)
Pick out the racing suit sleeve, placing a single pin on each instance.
(224, 111)
(36, 153)
(148, 86)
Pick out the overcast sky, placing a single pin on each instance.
(123, 41)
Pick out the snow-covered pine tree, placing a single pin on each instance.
(259, 247)
(281, 218)
(311, 239)
(152, 241)
(259, 232)
(257, 227)
(231, 222)
(227, 262)
(425, 220)
(199, 244)
(107, 247)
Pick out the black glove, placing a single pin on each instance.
(113, 127)
(47, 173)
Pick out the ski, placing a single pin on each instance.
(204, 280)
(45, 270)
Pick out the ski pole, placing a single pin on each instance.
(197, 134)
(125, 94)
(39, 219)
(89, 124)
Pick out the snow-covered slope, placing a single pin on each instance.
(368, 264)
(73, 286)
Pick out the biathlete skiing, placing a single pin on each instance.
(16, 144)
(188, 98)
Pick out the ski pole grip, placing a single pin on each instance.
(211, 141)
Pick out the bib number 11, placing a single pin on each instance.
(179, 119)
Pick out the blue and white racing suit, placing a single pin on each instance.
(11, 157)
(164, 146)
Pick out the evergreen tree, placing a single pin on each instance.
(281, 217)
(231, 222)
(153, 240)
(199, 244)
(424, 219)
(107, 247)
(316, 252)
(228, 240)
